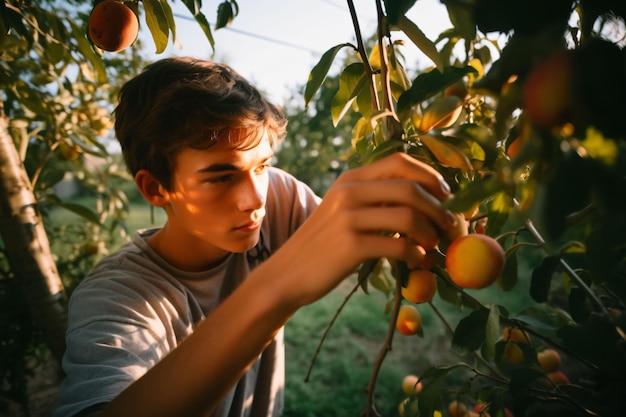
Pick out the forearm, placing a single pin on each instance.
(196, 376)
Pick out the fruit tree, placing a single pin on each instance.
(520, 108)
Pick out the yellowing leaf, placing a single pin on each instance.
(442, 113)
(446, 153)
(599, 147)
(157, 23)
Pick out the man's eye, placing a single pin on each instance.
(220, 179)
(261, 169)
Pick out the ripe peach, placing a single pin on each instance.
(457, 409)
(549, 360)
(409, 320)
(474, 261)
(513, 353)
(480, 409)
(515, 334)
(421, 286)
(558, 378)
(113, 26)
(547, 96)
(411, 385)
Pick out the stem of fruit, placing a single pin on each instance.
(361, 49)
(384, 350)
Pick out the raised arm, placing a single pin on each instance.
(396, 194)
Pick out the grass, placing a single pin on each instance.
(340, 375)
(342, 371)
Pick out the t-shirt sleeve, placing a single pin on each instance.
(113, 339)
(289, 203)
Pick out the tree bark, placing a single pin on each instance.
(27, 247)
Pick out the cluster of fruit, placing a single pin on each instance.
(472, 260)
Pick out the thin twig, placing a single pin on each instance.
(330, 324)
(564, 265)
(366, 63)
(478, 357)
(386, 348)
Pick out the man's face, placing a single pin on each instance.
(217, 202)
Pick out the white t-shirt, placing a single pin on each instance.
(134, 308)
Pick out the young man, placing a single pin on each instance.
(187, 319)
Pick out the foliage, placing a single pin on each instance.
(57, 92)
(552, 201)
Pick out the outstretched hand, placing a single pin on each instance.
(391, 208)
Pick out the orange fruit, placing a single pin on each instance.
(549, 360)
(515, 334)
(112, 26)
(409, 320)
(547, 95)
(474, 261)
(558, 378)
(421, 286)
(411, 385)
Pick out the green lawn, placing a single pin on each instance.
(340, 375)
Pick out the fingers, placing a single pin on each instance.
(401, 165)
(400, 220)
(393, 193)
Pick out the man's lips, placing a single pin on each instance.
(250, 227)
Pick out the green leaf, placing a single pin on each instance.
(383, 150)
(366, 269)
(434, 389)
(492, 332)
(167, 10)
(225, 15)
(542, 277)
(415, 34)
(351, 82)
(194, 7)
(206, 28)
(522, 378)
(157, 23)
(77, 209)
(396, 9)
(508, 279)
(470, 333)
(462, 18)
(475, 191)
(427, 84)
(320, 71)
(84, 47)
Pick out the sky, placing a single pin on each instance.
(276, 43)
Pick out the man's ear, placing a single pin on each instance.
(151, 188)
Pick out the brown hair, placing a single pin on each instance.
(176, 103)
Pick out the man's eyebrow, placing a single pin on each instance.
(229, 167)
(218, 168)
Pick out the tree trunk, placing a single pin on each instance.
(27, 247)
